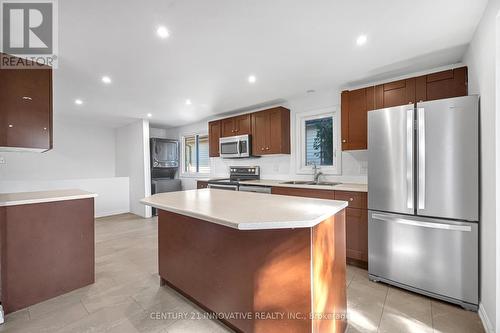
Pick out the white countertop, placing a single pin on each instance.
(247, 210)
(26, 198)
(340, 187)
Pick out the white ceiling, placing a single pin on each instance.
(290, 45)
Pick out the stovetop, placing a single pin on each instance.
(237, 174)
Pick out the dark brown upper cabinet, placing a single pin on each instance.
(239, 125)
(355, 104)
(25, 109)
(271, 132)
(214, 134)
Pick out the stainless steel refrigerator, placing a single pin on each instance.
(423, 198)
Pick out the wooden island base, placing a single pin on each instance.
(263, 281)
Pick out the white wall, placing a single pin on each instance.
(113, 193)
(283, 166)
(83, 157)
(132, 160)
(480, 58)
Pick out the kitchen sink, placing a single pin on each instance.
(298, 182)
(303, 182)
(326, 183)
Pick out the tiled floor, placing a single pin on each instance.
(127, 293)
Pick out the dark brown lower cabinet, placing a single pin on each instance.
(356, 218)
(357, 236)
(201, 184)
(47, 249)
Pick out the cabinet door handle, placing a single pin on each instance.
(344, 140)
(27, 98)
(10, 125)
(261, 148)
(351, 199)
(267, 148)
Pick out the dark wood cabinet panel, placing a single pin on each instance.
(354, 119)
(357, 235)
(303, 192)
(243, 124)
(355, 199)
(356, 218)
(201, 184)
(355, 104)
(239, 125)
(214, 134)
(227, 126)
(26, 108)
(260, 132)
(271, 131)
(421, 88)
(446, 84)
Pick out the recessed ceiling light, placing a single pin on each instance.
(149, 115)
(188, 102)
(162, 32)
(78, 102)
(106, 79)
(252, 79)
(361, 40)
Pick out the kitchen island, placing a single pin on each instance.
(47, 245)
(258, 262)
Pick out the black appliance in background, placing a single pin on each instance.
(164, 155)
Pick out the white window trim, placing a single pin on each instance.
(300, 119)
(184, 174)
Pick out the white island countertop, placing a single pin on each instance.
(27, 198)
(247, 210)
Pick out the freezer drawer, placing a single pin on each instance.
(433, 256)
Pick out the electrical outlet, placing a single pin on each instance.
(2, 160)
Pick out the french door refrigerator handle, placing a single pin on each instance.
(409, 159)
(421, 158)
(443, 226)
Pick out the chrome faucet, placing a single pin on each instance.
(316, 172)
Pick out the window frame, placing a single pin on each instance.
(183, 173)
(300, 119)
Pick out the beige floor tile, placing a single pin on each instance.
(451, 318)
(127, 297)
(103, 320)
(50, 322)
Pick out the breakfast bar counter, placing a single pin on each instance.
(258, 262)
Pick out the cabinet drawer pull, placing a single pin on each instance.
(351, 199)
(267, 148)
(344, 140)
(27, 98)
(261, 148)
(10, 125)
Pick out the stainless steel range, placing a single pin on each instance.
(236, 174)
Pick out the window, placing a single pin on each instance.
(195, 154)
(318, 143)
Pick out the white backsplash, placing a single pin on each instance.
(354, 167)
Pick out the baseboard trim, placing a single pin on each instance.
(488, 327)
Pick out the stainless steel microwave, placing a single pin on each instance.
(235, 146)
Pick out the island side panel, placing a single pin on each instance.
(47, 250)
(329, 274)
(227, 270)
